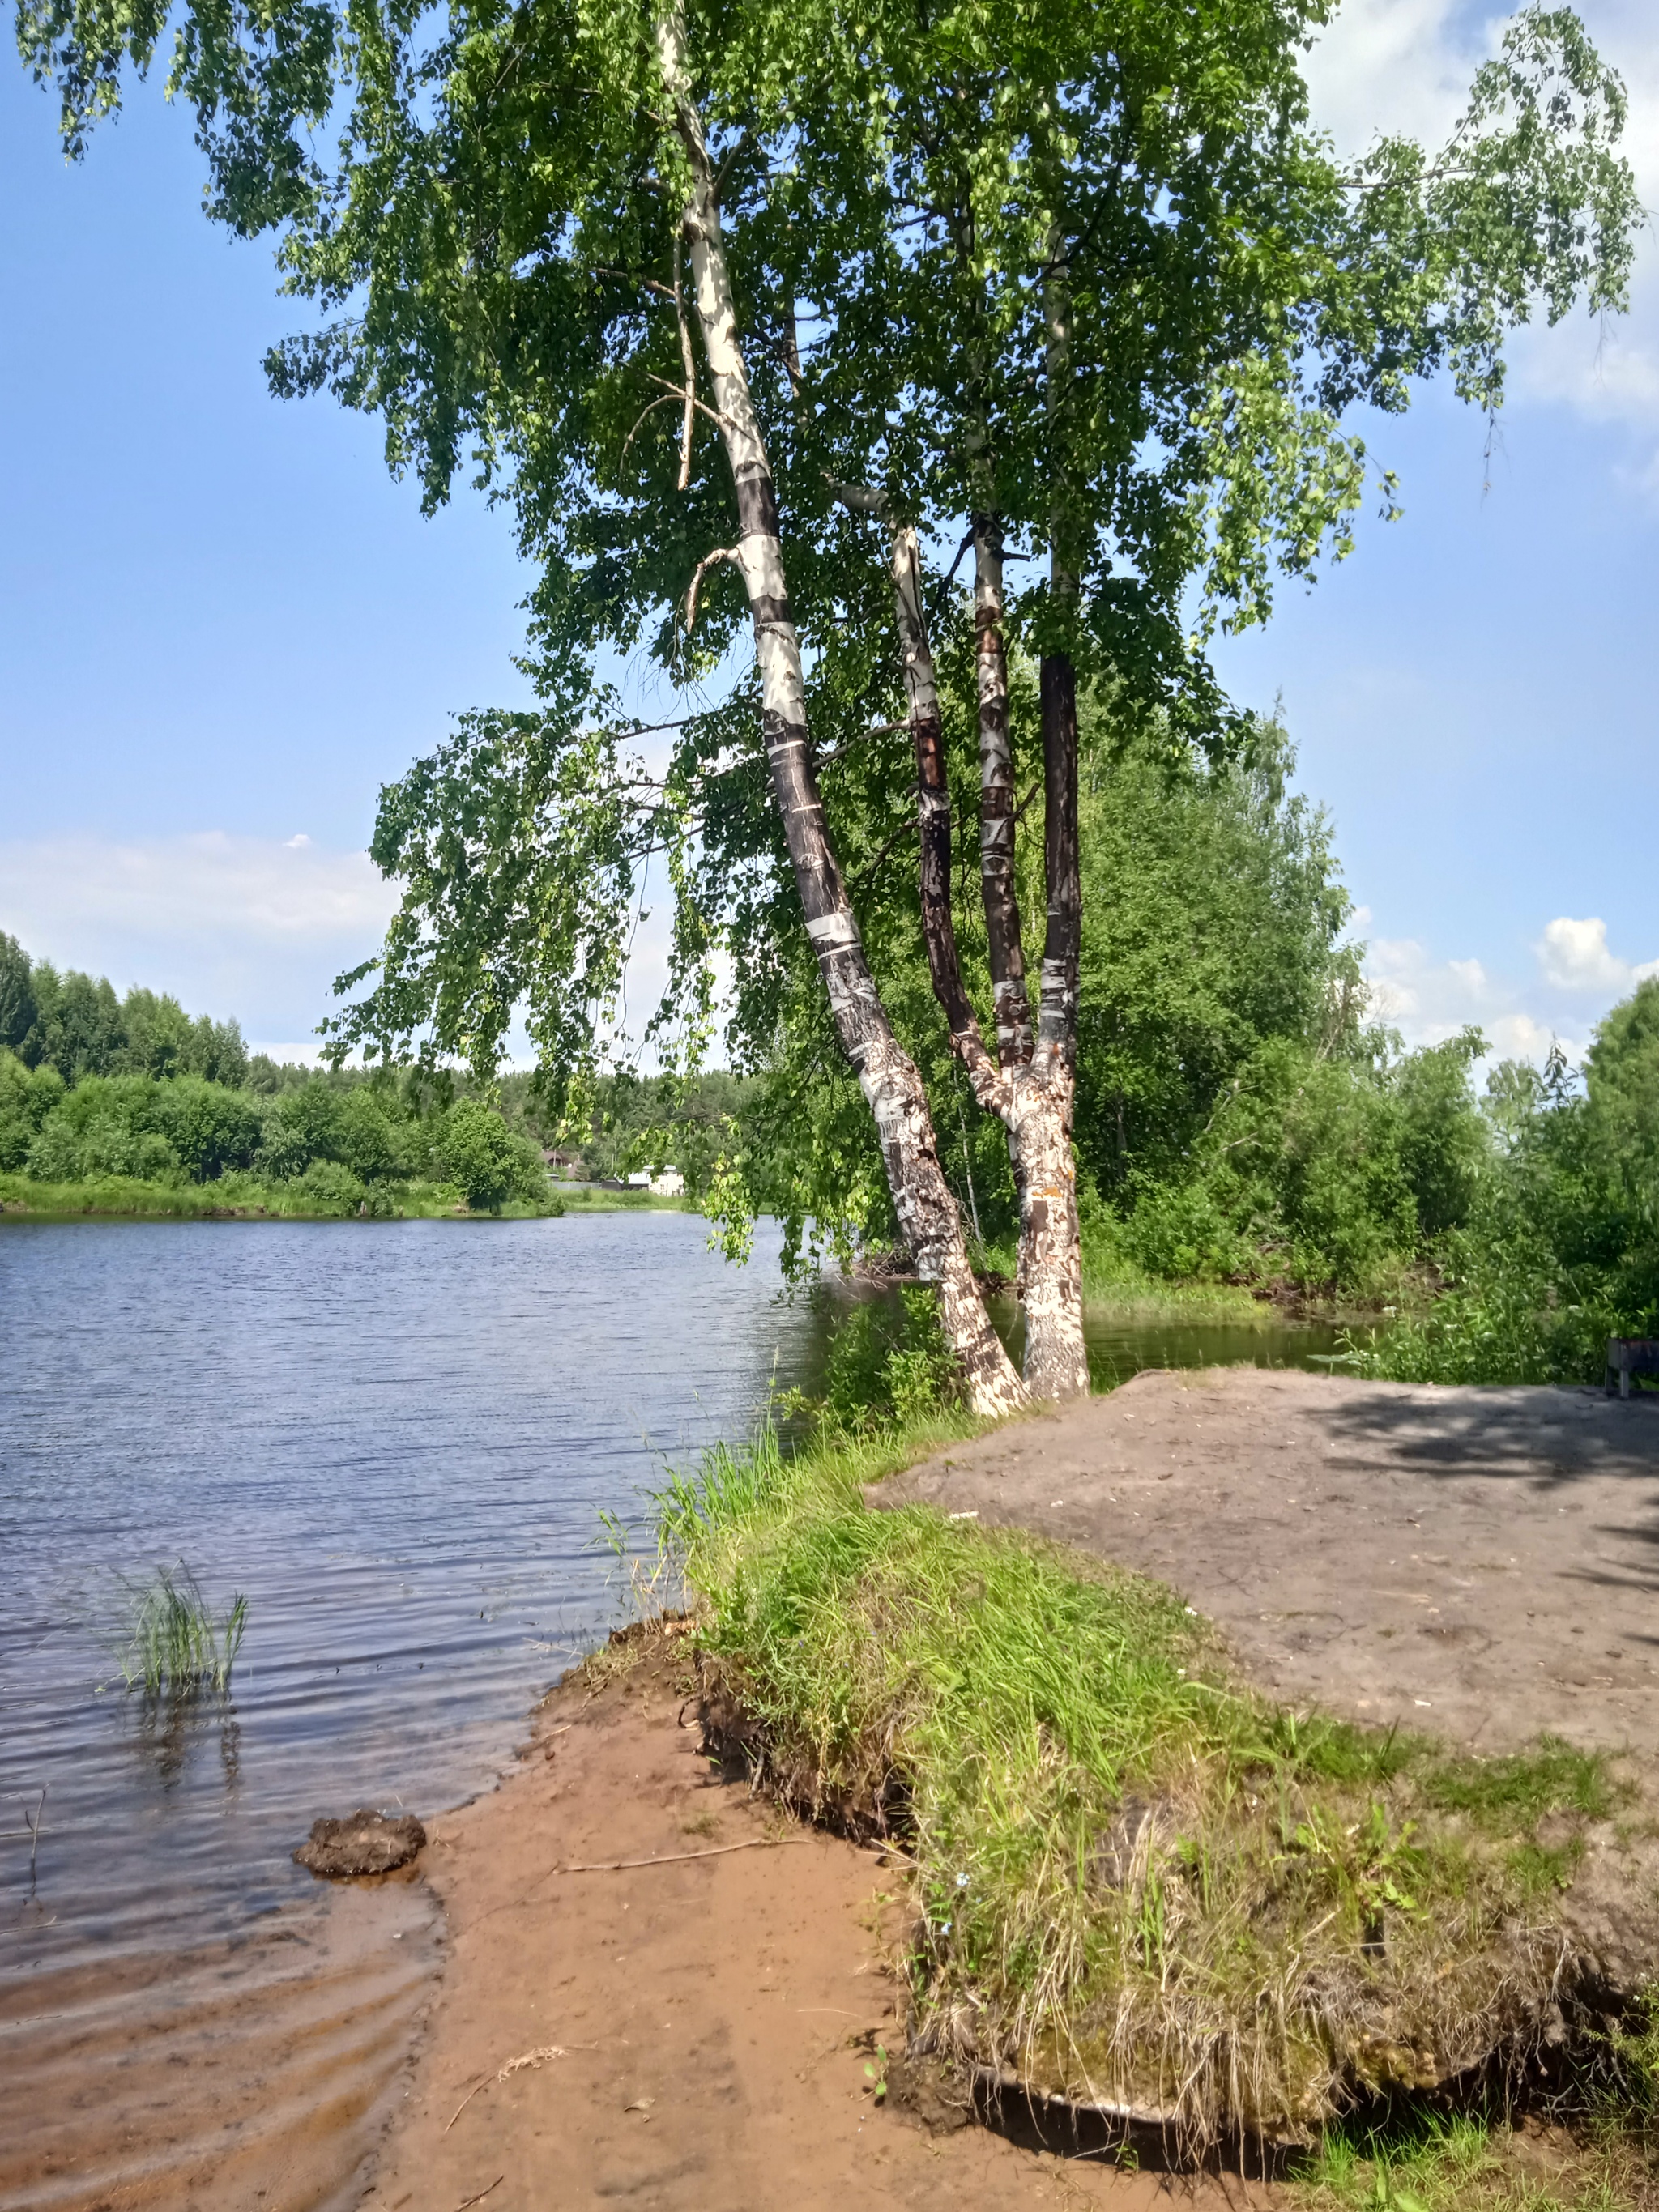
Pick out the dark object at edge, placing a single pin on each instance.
(1628, 1356)
(365, 1842)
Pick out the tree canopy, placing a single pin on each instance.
(712, 290)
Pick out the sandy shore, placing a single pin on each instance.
(693, 2034)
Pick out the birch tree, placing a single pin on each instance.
(744, 311)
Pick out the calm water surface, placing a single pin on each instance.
(396, 1439)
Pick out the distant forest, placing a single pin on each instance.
(94, 1085)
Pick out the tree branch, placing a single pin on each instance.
(728, 553)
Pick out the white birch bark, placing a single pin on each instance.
(1050, 1253)
(925, 1208)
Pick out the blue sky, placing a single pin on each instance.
(222, 625)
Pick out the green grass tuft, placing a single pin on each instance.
(174, 1643)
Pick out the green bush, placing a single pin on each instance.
(28, 1095)
(1561, 1248)
(487, 1162)
(887, 1363)
(133, 1125)
(367, 1140)
(330, 1189)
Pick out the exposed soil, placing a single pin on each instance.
(695, 2033)
(364, 1842)
(1477, 1564)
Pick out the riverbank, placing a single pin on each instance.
(1141, 1883)
(719, 2026)
(243, 1197)
(237, 1197)
(662, 1987)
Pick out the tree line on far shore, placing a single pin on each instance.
(95, 1087)
(1240, 1118)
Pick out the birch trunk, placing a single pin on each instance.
(1032, 1097)
(926, 1208)
(1009, 1001)
(1050, 1256)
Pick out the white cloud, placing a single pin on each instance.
(61, 892)
(1425, 999)
(256, 927)
(1521, 1036)
(1575, 956)
(1406, 65)
(1428, 999)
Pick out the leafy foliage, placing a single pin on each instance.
(1561, 1246)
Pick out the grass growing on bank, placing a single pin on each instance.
(315, 1198)
(1138, 1883)
(583, 1197)
(174, 1642)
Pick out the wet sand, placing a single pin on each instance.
(251, 2077)
(705, 2023)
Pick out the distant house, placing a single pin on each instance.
(671, 1184)
(561, 1160)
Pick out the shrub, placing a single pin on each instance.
(303, 1126)
(1562, 1248)
(27, 1098)
(209, 1127)
(366, 1141)
(488, 1163)
(330, 1188)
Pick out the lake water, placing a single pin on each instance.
(396, 1439)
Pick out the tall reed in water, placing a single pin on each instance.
(174, 1642)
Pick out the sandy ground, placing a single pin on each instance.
(1479, 1564)
(711, 2016)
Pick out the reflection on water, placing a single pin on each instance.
(396, 1439)
(167, 1729)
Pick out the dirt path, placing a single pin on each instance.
(1480, 1564)
(709, 2012)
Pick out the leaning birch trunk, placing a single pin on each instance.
(926, 1210)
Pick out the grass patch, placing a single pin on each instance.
(1466, 2163)
(1136, 1881)
(174, 1643)
(241, 1197)
(583, 1197)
